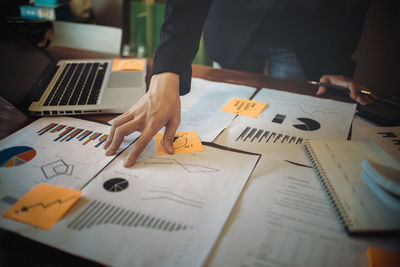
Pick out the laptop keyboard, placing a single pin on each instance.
(78, 84)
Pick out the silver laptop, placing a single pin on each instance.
(35, 81)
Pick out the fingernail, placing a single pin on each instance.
(127, 163)
(170, 149)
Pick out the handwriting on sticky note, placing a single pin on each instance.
(127, 64)
(379, 257)
(43, 206)
(245, 107)
(184, 142)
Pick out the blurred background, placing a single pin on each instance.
(139, 22)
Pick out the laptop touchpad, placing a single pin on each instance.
(123, 79)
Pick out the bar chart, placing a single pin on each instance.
(65, 133)
(99, 213)
(251, 134)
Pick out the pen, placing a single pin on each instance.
(338, 87)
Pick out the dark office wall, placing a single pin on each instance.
(378, 53)
(108, 12)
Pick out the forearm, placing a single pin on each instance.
(180, 37)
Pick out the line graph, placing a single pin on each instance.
(183, 191)
(45, 206)
(190, 168)
(180, 198)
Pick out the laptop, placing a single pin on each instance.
(32, 80)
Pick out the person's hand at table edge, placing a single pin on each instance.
(354, 87)
(159, 107)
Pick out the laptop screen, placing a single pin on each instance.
(22, 65)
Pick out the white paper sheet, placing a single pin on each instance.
(288, 120)
(201, 108)
(285, 219)
(387, 138)
(40, 155)
(165, 211)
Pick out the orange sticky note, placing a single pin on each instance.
(245, 107)
(43, 206)
(184, 142)
(383, 258)
(127, 64)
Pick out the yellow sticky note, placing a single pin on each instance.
(127, 64)
(43, 206)
(245, 107)
(184, 142)
(379, 257)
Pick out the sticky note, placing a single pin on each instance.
(43, 206)
(380, 257)
(245, 107)
(127, 64)
(184, 142)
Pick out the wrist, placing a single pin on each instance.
(165, 81)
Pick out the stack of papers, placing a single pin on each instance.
(219, 206)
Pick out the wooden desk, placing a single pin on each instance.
(22, 251)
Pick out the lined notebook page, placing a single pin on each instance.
(337, 165)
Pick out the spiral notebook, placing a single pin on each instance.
(337, 165)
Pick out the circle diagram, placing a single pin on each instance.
(307, 124)
(178, 142)
(115, 184)
(16, 155)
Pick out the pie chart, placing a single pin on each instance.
(115, 184)
(16, 155)
(307, 124)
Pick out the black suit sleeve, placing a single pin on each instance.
(179, 39)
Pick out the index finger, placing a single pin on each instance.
(121, 119)
(139, 146)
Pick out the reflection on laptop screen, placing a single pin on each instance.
(22, 65)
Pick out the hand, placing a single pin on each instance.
(354, 87)
(159, 107)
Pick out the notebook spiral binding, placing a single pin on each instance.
(327, 186)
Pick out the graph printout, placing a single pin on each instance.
(286, 219)
(202, 107)
(281, 129)
(60, 151)
(166, 210)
